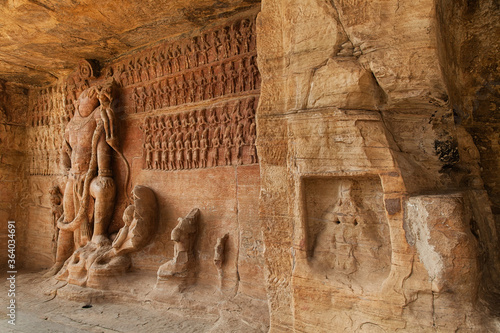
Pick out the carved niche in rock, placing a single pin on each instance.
(348, 238)
(179, 272)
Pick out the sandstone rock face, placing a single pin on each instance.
(14, 199)
(353, 98)
(318, 166)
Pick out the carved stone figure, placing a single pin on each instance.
(171, 152)
(204, 148)
(56, 206)
(228, 144)
(219, 250)
(350, 229)
(215, 146)
(180, 269)
(90, 190)
(157, 152)
(140, 223)
(107, 114)
(195, 143)
(188, 150)
(239, 142)
(164, 151)
(251, 143)
(179, 145)
(148, 146)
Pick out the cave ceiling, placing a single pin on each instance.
(42, 40)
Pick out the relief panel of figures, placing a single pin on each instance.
(216, 63)
(223, 134)
(47, 118)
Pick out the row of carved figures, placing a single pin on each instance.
(45, 145)
(214, 81)
(189, 140)
(214, 45)
(49, 107)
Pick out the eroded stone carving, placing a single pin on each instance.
(93, 264)
(179, 271)
(348, 236)
(219, 252)
(56, 206)
(140, 223)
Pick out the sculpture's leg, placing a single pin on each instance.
(103, 190)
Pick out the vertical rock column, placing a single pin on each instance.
(353, 93)
(13, 107)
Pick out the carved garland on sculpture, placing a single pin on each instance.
(220, 135)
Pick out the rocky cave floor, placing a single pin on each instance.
(42, 307)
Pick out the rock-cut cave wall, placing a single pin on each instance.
(184, 119)
(351, 158)
(373, 208)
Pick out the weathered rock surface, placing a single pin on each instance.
(353, 93)
(342, 156)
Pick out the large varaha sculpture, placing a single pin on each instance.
(89, 197)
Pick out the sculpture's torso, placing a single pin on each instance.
(79, 132)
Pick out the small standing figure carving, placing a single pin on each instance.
(215, 146)
(56, 207)
(149, 152)
(228, 145)
(204, 148)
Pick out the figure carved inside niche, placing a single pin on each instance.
(90, 191)
(352, 239)
(180, 267)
